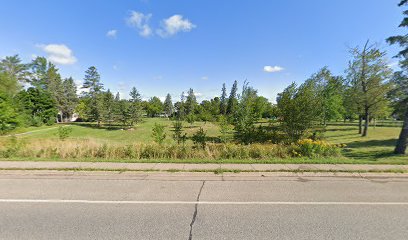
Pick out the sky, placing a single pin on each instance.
(168, 46)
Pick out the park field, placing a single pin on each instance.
(377, 148)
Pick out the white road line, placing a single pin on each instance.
(192, 202)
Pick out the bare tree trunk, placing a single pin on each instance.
(360, 124)
(367, 120)
(402, 140)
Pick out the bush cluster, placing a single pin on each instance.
(316, 148)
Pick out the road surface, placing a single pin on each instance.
(201, 206)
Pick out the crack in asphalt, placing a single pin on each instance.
(195, 212)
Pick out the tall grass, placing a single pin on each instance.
(70, 149)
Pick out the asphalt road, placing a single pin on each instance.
(201, 206)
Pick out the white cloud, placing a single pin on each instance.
(272, 69)
(140, 21)
(59, 54)
(175, 24)
(204, 78)
(112, 33)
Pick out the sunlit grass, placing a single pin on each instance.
(377, 148)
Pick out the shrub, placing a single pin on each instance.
(311, 148)
(199, 138)
(64, 132)
(158, 133)
(178, 135)
(225, 128)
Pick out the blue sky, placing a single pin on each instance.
(167, 46)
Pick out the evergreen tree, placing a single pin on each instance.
(94, 86)
(123, 112)
(168, 105)
(223, 100)
(135, 106)
(39, 104)
(69, 98)
(191, 102)
(232, 100)
(13, 67)
(108, 109)
(181, 107)
(39, 68)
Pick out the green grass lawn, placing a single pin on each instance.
(142, 132)
(376, 148)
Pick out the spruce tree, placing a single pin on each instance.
(232, 100)
(135, 106)
(94, 86)
(223, 100)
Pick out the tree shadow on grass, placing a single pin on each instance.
(373, 143)
(341, 129)
(113, 127)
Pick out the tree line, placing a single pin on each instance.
(32, 94)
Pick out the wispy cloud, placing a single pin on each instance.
(204, 78)
(112, 33)
(272, 69)
(59, 54)
(173, 25)
(140, 21)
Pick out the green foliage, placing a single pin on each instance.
(8, 84)
(368, 74)
(223, 100)
(154, 107)
(329, 92)
(158, 133)
(123, 111)
(225, 129)
(191, 102)
(232, 100)
(12, 66)
(108, 109)
(168, 105)
(246, 115)
(311, 148)
(94, 86)
(400, 91)
(297, 110)
(135, 107)
(190, 118)
(39, 104)
(64, 132)
(199, 138)
(69, 100)
(178, 134)
(8, 115)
